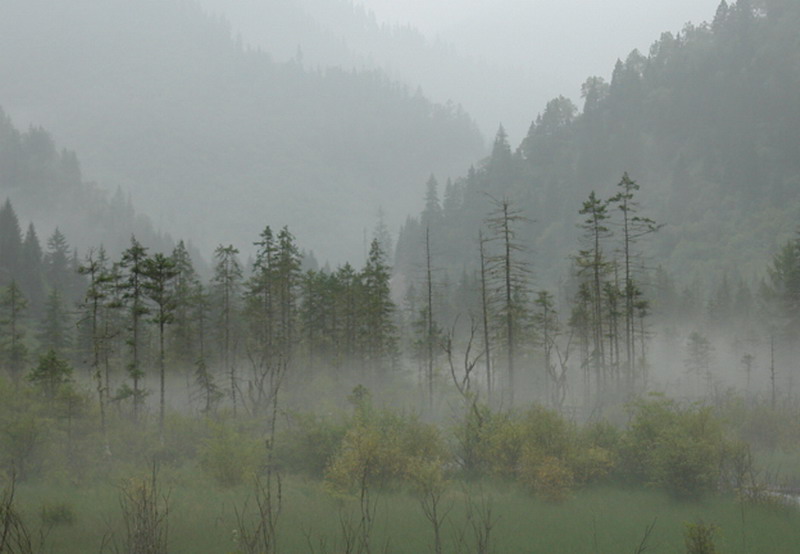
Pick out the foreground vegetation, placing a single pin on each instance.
(203, 519)
(371, 479)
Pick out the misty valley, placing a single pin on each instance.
(584, 343)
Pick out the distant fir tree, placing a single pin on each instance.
(226, 285)
(134, 298)
(12, 321)
(378, 332)
(56, 325)
(31, 271)
(183, 340)
(592, 267)
(159, 273)
(509, 273)
(10, 244)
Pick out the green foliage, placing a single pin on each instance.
(51, 374)
(679, 449)
(309, 444)
(57, 514)
(231, 457)
(382, 450)
(699, 538)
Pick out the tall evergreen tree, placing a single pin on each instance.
(160, 272)
(10, 244)
(510, 274)
(226, 284)
(55, 325)
(94, 306)
(31, 271)
(57, 265)
(634, 227)
(13, 348)
(593, 265)
(183, 338)
(134, 297)
(378, 330)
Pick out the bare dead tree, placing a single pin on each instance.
(145, 513)
(463, 382)
(14, 535)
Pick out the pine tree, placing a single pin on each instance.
(226, 284)
(134, 297)
(57, 262)
(634, 228)
(54, 328)
(10, 244)
(509, 273)
(592, 264)
(378, 331)
(94, 307)
(13, 348)
(160, 272)
(30, 270)
(183, 342)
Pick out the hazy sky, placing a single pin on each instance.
(549, 47)
(641, 20)
(565, 40)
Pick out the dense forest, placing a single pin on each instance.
(610, 311)
(705, 123)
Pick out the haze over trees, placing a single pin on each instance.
(608, 309)
(162, 100)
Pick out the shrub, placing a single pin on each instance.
(310, 443)
(699, 538)
(679, 449)
(58, 514)
(230, 457)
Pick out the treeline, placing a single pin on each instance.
(145, 318)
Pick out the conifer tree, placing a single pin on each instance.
(30, 270)
(57, 262)
(593, 264)
(226, 284)
(634, 228)
(183, 337)
(98, 293)
(133, 267)
(10, 244)
(14, 351)
(54, 328)
(160, 272)
(378, 331)
(509, 273)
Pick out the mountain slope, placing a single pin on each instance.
(708, 125)
(215, 141)
(47, 188)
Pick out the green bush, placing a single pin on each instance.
(58, 514)
(231, 457)
(383, 449)
(679, 449)
(309, 444)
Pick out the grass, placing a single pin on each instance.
(598, 520)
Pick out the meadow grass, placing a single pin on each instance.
(608, 519)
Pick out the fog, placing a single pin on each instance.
(534, 50)
(560, 334)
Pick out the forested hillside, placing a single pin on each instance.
(46, 186)
(706, 123)
(213, 139)
(342, 33)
